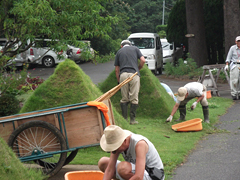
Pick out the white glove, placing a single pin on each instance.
(226, 68)
(194, 105)
(169, 119)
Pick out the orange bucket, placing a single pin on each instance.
(190, 125)
(84, 175)
(209, 94)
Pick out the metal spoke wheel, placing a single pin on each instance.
(48, 61)
(38, 144)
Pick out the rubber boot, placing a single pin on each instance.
(206, 114)
(133, 110)
(124, 107)
(182, 110)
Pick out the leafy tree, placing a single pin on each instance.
(177, 25)
(147, 14)
(213, 15)
(118, 32)
(213, 21)
(195, 25)
(65, 20)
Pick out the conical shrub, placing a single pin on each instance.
(67, 85)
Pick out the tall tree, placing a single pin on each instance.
(65, 20)
(147, 14)
(231, 22)
(177, 26)
(195, 25)
(213, 15)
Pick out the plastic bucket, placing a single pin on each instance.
(209, 94)
(190, 125)
(84, 175)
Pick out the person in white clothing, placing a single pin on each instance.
(185, 94)
(233, 60)
(138, 152)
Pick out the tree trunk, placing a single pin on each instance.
(195, 25)
(231, 22)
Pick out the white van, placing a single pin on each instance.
(151, 48)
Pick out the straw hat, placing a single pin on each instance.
(182, 91)
(113, 138)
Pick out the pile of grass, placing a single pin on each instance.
(11, 167)
(67, 85)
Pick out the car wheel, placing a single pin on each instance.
(48, 61)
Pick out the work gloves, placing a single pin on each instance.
(194, 105)
(169, 119)
(226, 68)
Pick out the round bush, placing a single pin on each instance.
(9, 105)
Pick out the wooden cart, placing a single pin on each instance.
(49, 139)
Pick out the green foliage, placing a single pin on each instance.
(162, 34)
(104, 58)
(177, 25)
(9, 105)
(9, 81)
(189, 68)
(12, 168)
(161, 28)
(147, 15)
(65, 20)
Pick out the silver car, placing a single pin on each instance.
(80, 54)
(41, 53)
(18, 60)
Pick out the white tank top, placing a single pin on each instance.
(152, 157)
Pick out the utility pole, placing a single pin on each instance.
(163, 12)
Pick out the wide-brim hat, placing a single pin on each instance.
(182, 91)
(113, 138)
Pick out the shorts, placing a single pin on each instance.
(145, 176)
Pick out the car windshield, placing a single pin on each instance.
(166, 46)
(143, 43)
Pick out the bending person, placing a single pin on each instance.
(185, 94)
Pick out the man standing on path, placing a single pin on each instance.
(185, 94)
(126, 64)
(233, 60)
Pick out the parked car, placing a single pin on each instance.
(150, 46)
(42, 53)
(171, 53)
(82, 53)
(18, 60)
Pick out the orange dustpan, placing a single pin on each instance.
(84, 175)
(190, 125)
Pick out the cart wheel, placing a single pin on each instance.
(70, 157)
(38, 138)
